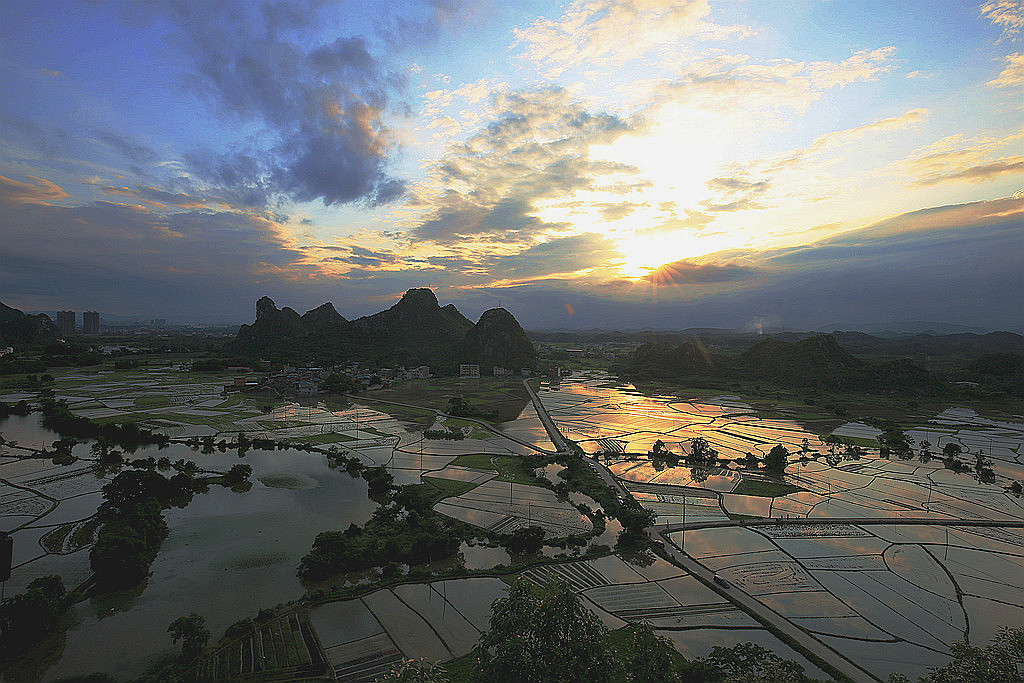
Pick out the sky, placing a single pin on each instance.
(807, 164)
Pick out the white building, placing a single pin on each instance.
(469, 370)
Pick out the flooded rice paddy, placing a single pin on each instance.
(890, 596)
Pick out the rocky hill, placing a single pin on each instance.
(415, 331)
(498, 339)
(18, 328)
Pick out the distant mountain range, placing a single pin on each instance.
(415, 331)
(820, 362)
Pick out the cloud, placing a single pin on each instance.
(320, 105)
(979, 172)
(130, 149)
(39, 191)
(155, 197)
(613, 211)
(612, 32)
(1012, 75)
(957, 264)
(118, 255)
(1008, 15)
(562, 255)
(535, 149)
(736, 86)
(849, 135)
(956, 158)
(363, 257)
(686, 272)
(735, 193)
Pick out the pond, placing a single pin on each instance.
(227, 555)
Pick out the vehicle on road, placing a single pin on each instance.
(722, 582)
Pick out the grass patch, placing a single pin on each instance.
(476, 431)
(53, 541)
(765, 489)
(479, 461)
(462, 669)
(509, 468)
(507, 397)
(449, 487)
(329, 438)
(152, 401)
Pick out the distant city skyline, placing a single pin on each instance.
(663, 164)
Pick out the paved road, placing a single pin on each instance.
(545, 419)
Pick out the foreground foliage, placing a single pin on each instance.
(1002, 660)
(544, 633)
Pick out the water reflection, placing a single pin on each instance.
(227, 555)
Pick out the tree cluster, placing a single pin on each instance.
(59, 418)
(29, 617)
(543, 633)
(133, 524)
(404, 529)
(460, 407)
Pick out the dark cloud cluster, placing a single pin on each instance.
(320, 106)
(129, 258)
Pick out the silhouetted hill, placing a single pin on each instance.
(818, 362)
(415, 331)
(498, 339)
(963, 344)
(18, 328)
(997, 371)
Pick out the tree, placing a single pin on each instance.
(378, 480)
(894, 442)
(926, 451)
(416, 671)
(31, 616)
(950, 454)
(777, 459)
(998, 661)
(660, 455)
(646, 656)
(192, 633)
(701, 454)
(750, 461)
(832, 442)
(526, 541)
(543, 633)
(238, 473)
(983, 468)
(747, 662)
